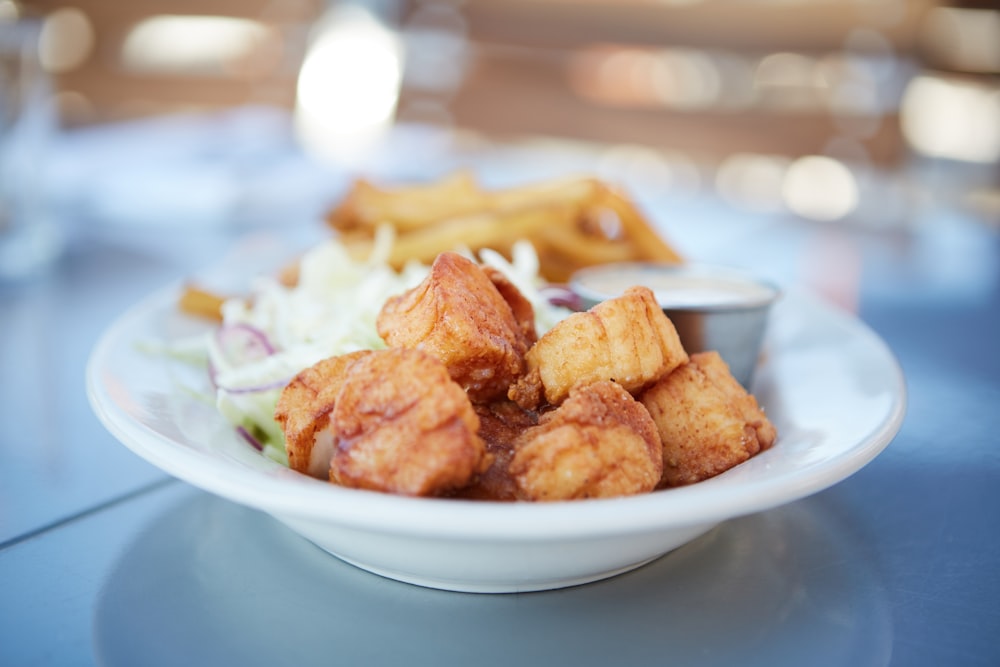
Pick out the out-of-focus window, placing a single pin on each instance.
(827, 109)
(113, 60)
(817, 107)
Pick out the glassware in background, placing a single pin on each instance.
(30, 237)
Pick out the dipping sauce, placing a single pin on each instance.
(712, 308)
(696, 287)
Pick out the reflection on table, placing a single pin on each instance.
(245, 588)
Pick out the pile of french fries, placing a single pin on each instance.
(572, 223)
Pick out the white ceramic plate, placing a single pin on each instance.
(831, 386)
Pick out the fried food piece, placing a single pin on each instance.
(707, 421)
(500, 424)
(599, 443)
(403, 426)
(407, 207)
(304, 409)
(200, 302)
(498, 230)
(627, 339)
(457, 315)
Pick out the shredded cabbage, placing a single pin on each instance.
(331, 310)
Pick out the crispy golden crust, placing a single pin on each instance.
(463, 404)
(627, 339)
(403, 426)
(457, 315)
(599, 443)
(303, 411)
(707, 422)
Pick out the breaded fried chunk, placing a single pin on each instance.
(304, 409)
(627, 339)
(599, 443)
(402, 425)
(459, 316)
(706, 421)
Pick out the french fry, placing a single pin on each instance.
(407, 208)
(579, 190)
(648, 243)
(585, 249)
(484, 230)
(201, 303)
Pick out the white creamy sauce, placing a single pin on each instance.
(693, 291)
(675, 287)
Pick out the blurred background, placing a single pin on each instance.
(860, 112)
(848, 146)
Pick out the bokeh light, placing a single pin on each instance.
(348, 86)
(820, 188)
(953, 118)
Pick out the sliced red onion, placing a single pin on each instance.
(213, 374)
(242, 342)
(559, 295)
(254, 442)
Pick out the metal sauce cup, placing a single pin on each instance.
(712, 307)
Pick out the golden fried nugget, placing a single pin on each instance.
(403, 426)
(599, 443)
(707, 422)
(627, 339)
(457, 315)
(304, 409)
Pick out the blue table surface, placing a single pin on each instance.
(104, 559)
